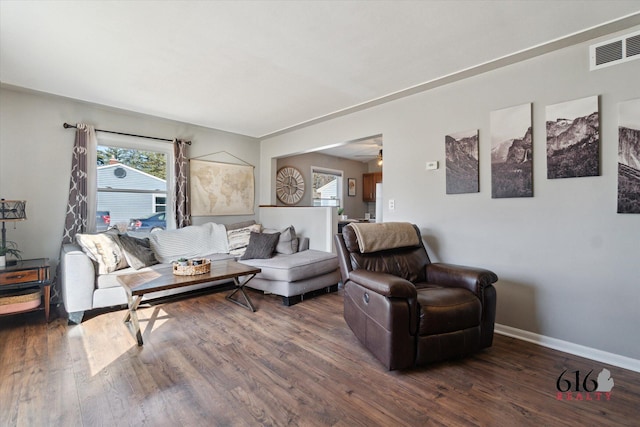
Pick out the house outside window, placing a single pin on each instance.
(326, 187)
(132, 186)
(160, 202)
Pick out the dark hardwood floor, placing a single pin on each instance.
(209, 362)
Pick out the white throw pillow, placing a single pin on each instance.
(239, 239)
(104, 249)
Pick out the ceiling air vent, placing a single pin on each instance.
(615, 51)
(633, 46)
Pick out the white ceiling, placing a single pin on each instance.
(362, 150)
(259, 67)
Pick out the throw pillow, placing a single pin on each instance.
(137, 251)
(288, 242)
(104, 249)
(239, 239)
(261, 245)
(238, 225)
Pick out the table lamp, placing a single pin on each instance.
(11, 211)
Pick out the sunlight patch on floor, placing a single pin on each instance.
(114, 339)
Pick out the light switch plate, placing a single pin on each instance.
(432, 165)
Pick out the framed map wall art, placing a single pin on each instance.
(221, 188)
(573, 139)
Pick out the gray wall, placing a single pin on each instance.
(567, 262)
(35, 158)
(354, 207)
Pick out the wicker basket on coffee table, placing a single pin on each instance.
(190, 269)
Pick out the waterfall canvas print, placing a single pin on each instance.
(573, 139)
(629, 157)
(462, 162)
(511, 152)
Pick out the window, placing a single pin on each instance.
(326, 187)
(159, 202)
(132, 185)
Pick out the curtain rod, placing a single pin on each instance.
(67, 126)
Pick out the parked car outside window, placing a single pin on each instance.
(103, 220)
(152, 223)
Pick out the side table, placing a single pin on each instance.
(30, 273)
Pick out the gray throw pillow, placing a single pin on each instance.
(288, 243)
(137, 251)
(261, 245)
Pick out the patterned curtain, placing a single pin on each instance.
(80, 201)
(81, 207)
(180, 197)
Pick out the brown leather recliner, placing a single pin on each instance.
(406, 310)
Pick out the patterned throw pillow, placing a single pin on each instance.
(239, 238)
(261, 245)
(137, 251)
(241, 224)
(104, 249)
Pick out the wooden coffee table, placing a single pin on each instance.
(138, 284)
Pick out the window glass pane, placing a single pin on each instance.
(160, 203)
(326, 188)
(132, 189)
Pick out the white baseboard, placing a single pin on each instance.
(569, 347)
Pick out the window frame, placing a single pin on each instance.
(133, 143)
(328, 171)
(155, 204)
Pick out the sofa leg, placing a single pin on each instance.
(75, 318)
(289, 301)
(332, 288)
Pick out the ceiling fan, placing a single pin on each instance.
(363, 150)
(368, 149)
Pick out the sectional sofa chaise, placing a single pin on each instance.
(89, 268)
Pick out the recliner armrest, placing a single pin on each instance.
(384, 284)
(471, 278)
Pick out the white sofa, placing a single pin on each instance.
(293, 276)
